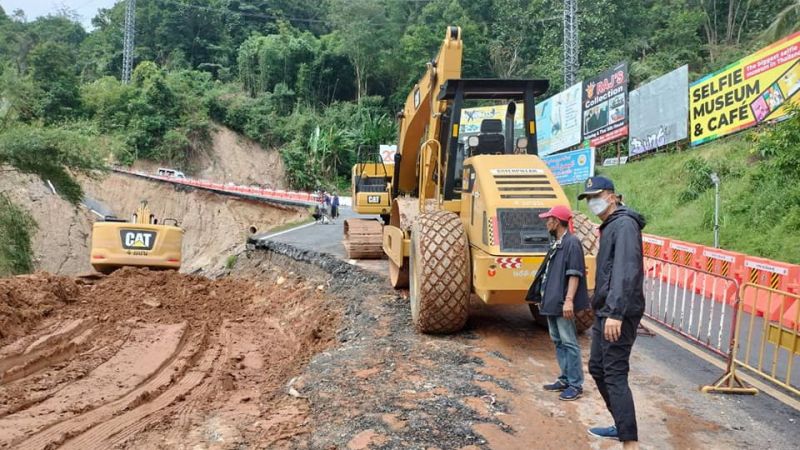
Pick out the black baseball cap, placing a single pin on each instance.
(596, 185)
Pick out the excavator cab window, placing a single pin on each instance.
(370, 182)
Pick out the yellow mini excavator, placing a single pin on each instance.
(142, 242)
(464, 211)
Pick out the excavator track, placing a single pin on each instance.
(363, 239)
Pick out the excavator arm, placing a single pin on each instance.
(416, 126)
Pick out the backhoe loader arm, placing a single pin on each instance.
(417, 122)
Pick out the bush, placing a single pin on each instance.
(16, 226)
(51, 153)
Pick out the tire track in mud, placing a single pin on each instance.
(183, 419)
(36, 388)
(56, 432)
(43, 344)
(124, 426)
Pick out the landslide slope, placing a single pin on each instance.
(61, 239)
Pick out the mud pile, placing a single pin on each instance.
(157, 359)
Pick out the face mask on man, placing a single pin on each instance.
(597, 205)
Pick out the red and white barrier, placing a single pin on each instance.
(272, 195)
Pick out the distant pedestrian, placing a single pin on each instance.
(335, 206)
(559, 288)
(618, 305)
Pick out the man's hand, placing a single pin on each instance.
(613, 329)
(568, 311)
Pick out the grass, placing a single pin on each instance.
(16, 226)
(655, 186)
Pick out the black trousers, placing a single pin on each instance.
(609, 366)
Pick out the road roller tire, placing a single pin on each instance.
(363, 239)
(440, 273)
(585, 230)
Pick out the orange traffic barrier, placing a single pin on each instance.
(684, 256)
(654, 250)
(773, 275)
(724, 263)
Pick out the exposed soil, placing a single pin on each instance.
(157, 359)
(215, 224)
(61, 240)
(233, 158)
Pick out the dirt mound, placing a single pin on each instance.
(233, 158)
(156, 359)
(214, 224)
(61, 240)
(25, 300)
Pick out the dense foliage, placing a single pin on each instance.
(16, 226)
(321, 78)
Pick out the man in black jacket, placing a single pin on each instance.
(618, 305)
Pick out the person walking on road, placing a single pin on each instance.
(559, 288)
(335, 206)
(618, 305)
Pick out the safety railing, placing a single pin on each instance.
(764, 343)
(273, 195)
(697, 304)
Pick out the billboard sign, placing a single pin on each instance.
(750, 91)
(558, 121)
(605, 106)
(572, 167)
(471, 119)
(659, 112)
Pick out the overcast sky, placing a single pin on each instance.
(87, 9)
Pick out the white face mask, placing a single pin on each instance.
(597, 205)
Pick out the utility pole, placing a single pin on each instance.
(715, 180)
(571, 45)
(127, 43)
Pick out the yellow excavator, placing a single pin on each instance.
(371, 183)
(464, 212)
(142, 242)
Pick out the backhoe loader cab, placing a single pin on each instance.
(464, 216)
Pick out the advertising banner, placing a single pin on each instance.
(747, 92)
(572, 167)
(558, 121)
(659, 112)
(471, 119)
(605, 106)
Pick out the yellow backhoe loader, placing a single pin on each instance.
(142, 242)
(464, 212)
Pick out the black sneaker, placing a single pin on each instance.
(558, 386)
(571, 393)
